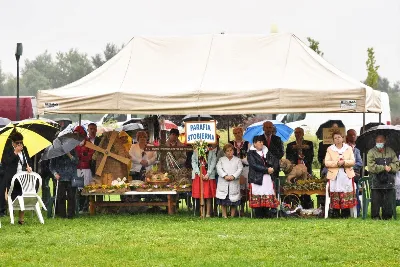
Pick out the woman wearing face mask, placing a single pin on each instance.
(15, 159)
(340, 160)
(382, 166)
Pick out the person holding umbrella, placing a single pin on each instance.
(15, 159)
(64, 169)
(382, 165)
(339, 160)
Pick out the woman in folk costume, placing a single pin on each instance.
(262, 165)
(340, 160)
(206, 165)
(229, 169)
(241, 147)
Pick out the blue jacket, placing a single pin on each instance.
(357, 156)
(65, 167)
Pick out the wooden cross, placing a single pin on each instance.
(107, 153)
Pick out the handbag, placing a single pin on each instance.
(77, 182)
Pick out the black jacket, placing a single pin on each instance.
(293, 156)
(10, 163)
(258, 166)
(275, 147)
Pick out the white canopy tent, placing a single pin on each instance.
(213, 74)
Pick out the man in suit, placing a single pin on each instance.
(301, 152)
(271, 141)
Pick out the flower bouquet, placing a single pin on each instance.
(119, 185)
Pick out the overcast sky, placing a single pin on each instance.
(344, 28)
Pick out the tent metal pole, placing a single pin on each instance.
(380, 118)
(363, 128)
(80, 119)
(229, 135)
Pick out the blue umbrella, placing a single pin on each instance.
(282, 130)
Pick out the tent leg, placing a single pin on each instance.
(363, 128)
(380, 117)
(80, 119)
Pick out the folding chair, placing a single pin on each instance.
(396, 203)
(363, 183)
(29, 200)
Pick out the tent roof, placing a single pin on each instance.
(212, 74)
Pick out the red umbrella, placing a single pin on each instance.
(170, 125)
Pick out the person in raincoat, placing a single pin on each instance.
(382, 166)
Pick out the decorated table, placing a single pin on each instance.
(99, 202)
(156, 184)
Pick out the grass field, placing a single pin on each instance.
(184, 240)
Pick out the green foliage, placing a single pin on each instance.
(225, 121)
(71, 66)
(110, 51)
(314, 45)
(372, 68)
(185, 240)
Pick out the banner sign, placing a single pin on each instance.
(168, 148)
(200, 131)
(348, 104)
(327, 134)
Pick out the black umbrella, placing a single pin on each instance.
(366, 141)
(62, 145)
(369, 126)
(203, 117)
(328, 124)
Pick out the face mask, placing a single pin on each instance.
(380, 145)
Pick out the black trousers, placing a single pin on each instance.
(2, 195)
(265, 213)
(66, 193)
(382, 198)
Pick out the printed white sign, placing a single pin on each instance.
(51, 105)
(348, 104)
(200, 131)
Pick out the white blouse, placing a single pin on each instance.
(136, 154)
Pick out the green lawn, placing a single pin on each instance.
(184, 240)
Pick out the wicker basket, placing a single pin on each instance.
(158, 182)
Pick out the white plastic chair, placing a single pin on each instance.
(29, 200)
(353, 211)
